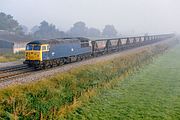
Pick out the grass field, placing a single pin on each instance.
(11, 57)
(151, 93)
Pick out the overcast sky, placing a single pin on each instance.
(126, 15)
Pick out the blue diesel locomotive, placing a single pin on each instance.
(48, 53)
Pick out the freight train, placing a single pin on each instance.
(42, 54)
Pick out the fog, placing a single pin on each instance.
(128, 16)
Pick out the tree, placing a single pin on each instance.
(9, 24)
(93, 32)
(47, 31)
(24, 29)
(19, 31)
(34, 29)
(79, 29)
(109, 31)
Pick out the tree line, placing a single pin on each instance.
(9, 24)
(46, 30)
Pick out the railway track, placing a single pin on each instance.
(14, 71)
(12, 68)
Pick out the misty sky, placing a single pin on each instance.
(138, 16)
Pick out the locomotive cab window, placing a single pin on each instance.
(44, 48)
(29, 47)
(37, 47)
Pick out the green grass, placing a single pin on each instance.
(11, 57)
(151, 93)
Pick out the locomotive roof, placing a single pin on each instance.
(59, 40)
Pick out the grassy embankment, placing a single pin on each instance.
(56, 96)
(11, 57)
(152, 93)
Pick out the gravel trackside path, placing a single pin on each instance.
(7, 64)
(39, 75)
